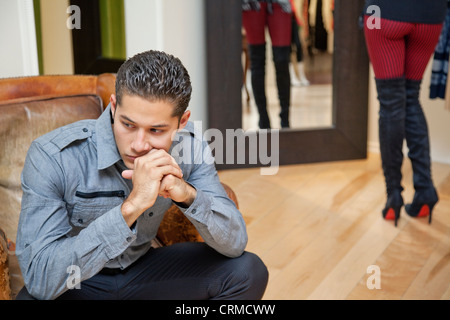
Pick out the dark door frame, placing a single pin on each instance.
(87, 43)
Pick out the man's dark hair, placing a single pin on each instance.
(155, 75)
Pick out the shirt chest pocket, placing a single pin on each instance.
(88, 206)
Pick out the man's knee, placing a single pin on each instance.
(252, 275)
(257, 270)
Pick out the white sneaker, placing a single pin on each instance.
(295, 82)
(301, 70)
(304, 82)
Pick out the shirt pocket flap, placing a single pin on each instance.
(87, 209)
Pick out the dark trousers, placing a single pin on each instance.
(185, 271)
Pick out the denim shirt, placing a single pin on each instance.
(71, 206)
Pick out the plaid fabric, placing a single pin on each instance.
(440, 61)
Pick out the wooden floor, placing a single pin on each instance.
(318, 228)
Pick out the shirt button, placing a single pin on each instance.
(129, 239)
(85, 130)
(80, 220)
(150, 214)
(194, 211)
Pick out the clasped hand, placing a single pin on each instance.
(156, 173)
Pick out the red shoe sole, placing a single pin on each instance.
(390, 214)
(424, 211)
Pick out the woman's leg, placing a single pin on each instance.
(386, 47)
(280, 30)
(420, 45)
(254, 23)
(297, 69)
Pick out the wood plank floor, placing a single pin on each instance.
(318, 228)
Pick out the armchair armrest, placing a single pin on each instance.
(175, 227)
(5, 289)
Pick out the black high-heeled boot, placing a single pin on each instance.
(258, 74)
(391, 124)
(393, 206)
(416, 132)
(281, 59)
(422, 204)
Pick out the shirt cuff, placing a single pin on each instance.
(114, 232)
(198, 209)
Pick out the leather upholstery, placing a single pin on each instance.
(22, 121)
(5, 289)
(17, 88)
(175, 227)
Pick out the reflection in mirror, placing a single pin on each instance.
(310, 68)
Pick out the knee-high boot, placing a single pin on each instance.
(392, 98)
(258, 74)
(281, 59)
(417, 139)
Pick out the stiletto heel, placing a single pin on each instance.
(393, 206)
(423, 204)
(420, 210)
(391, 213)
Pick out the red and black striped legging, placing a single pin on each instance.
(278, 23)
(401, 48)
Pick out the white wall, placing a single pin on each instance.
(438, 119)
(176, 27)
(18, 53)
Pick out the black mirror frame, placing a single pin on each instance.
(346, 139)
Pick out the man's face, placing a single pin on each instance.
(141, 125)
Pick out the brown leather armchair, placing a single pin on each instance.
(31, 107)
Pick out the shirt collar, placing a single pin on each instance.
(107, 153)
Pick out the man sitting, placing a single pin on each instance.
(95, 192)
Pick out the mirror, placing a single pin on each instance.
(310, 70)
(344, 139)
